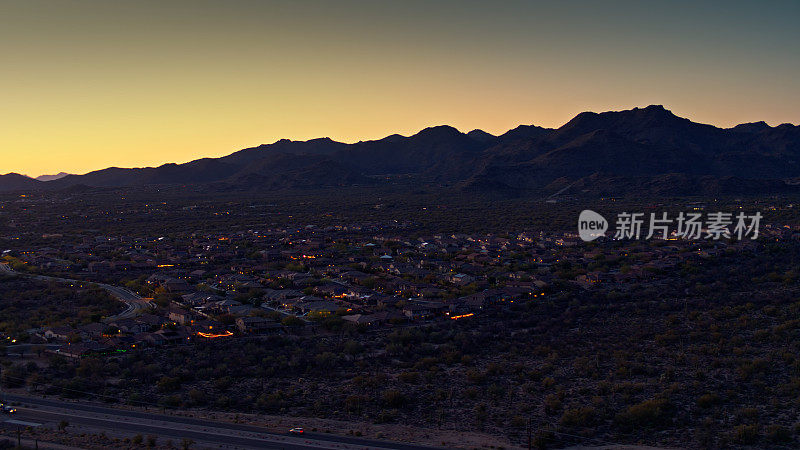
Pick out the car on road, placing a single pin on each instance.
(296, 430)
(8, 409)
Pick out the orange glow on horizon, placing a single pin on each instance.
(95, 84)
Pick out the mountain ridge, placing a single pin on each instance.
(51, 177)
(591, 147)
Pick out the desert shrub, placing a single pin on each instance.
(409, 377)
(394, 398)
(585, 367)
(648, 413)
(778, 433)
(475, 376)
(708, 400)
(745, 434)
(552, 403)
(578, 417)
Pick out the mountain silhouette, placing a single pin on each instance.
(51, 177)
(649, 150)
(16, 182)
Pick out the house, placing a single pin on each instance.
(151, 320)
(180, 316)
(92, 330)
(306, 282)
(208, 326)
(416, 312)
(386, 301)
(100, 267)
(223, 305)
(431, 292)
(61, 333)
(157, 279)
(358, 319)
(240, 310)
(199, 298)
(228, 306)
(461, 279)
(78, 351)
(331, 290)
(282, 294)
(424, 310)
(171, 336)
(354, 276)
(356, 292)
(131, 326)
(318, 306)
(290, 304)
(120, 342)
(257, 325)
(174, 285)
(479, 300)
(150, 338)
(374, 319)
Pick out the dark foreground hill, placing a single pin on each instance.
(639, 151)
(17, 182)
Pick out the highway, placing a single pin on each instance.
(135, 304)
(89, 417)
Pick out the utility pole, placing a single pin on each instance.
(530, 441)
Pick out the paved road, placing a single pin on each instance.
(204, 432)
(135, 304)
(30, 349)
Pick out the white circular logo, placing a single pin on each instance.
(591, 225)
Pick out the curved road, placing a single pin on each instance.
(135, 303)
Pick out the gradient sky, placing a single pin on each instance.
(89, 84)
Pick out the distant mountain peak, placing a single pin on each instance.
(394, 138)
(658, 111)
(57, 176)
(481, 136)
(15, 175)
(525, 132)
(527, 127)
(751, 127)
(652, 116)
(658, 108)
(438, 131)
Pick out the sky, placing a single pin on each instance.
(86, 85)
